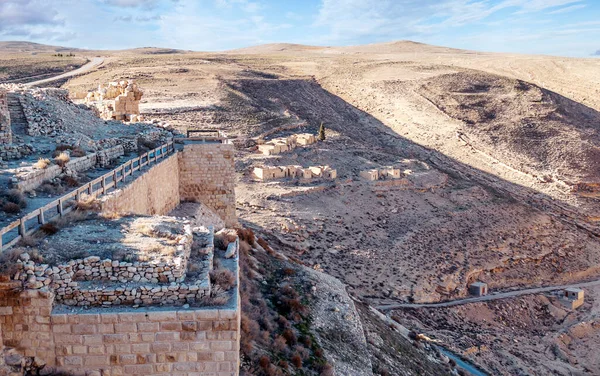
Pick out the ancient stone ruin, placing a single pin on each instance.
(128, 290)
(285, 144)
(117, 101)
(381, 173)
(295, 172)
(5, 130)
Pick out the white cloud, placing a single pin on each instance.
(32, 20)
(568, 9)
(349, 20)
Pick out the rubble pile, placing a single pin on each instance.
(117, 101)
(47, 117)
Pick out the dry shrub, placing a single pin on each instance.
(30, 240)
(264, 362)
(61, 147)
(327, 370)
(290, 336)
(49, 228)
(223, 278)
(222, 240)
(247, 235)
(88, 202)
(51, 188)
(297, 360)
(245, 247)
(11, 208)
(42, 164)
(71, 181)
(111, 215)
(16, 197)
(77, 152)
(62, 159)
(217, 297)
(8, 261)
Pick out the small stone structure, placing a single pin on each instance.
(381, 173)
(117, 101)
(5, 130)
(297, 172)
(572, 297)
(285, 144)
(478, 288)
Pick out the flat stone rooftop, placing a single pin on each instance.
(152, 240)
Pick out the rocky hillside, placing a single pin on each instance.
(527, 127)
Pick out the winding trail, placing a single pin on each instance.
(96, 61)
(486, 298)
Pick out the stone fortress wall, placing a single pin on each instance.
(156, 191)
(159, 341)
(5, 130)
(145, 328)
(207, 175)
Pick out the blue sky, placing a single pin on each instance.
(555, 27)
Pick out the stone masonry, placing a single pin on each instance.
(5, 130)
(149, 341)
(156, 191)
(207, 175)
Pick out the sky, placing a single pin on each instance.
(553, 27)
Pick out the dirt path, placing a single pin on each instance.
(502, 295)
(96, 61)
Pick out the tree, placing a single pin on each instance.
(322, 132)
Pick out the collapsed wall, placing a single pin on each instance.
(117, 101)
(5, 131)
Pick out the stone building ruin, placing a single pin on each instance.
(265, 173)
(138, 302)
(117, 101)
(387, 172)
(284, 144)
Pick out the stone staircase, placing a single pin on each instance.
(18, 121)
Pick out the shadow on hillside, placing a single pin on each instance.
(313, 104)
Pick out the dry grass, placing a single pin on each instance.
(11, 208)
(8, 261)
(88, 203)
(17, 197)
(223, 278)
(42, 164)
(62, 159)
(217, 297)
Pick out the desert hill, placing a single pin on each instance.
(30, 47)
(528, 127)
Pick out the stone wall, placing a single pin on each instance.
(5, 131)
(155, 192)
(207, 175)
(31, 179)
(196, 341)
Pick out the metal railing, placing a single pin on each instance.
(30, 222)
